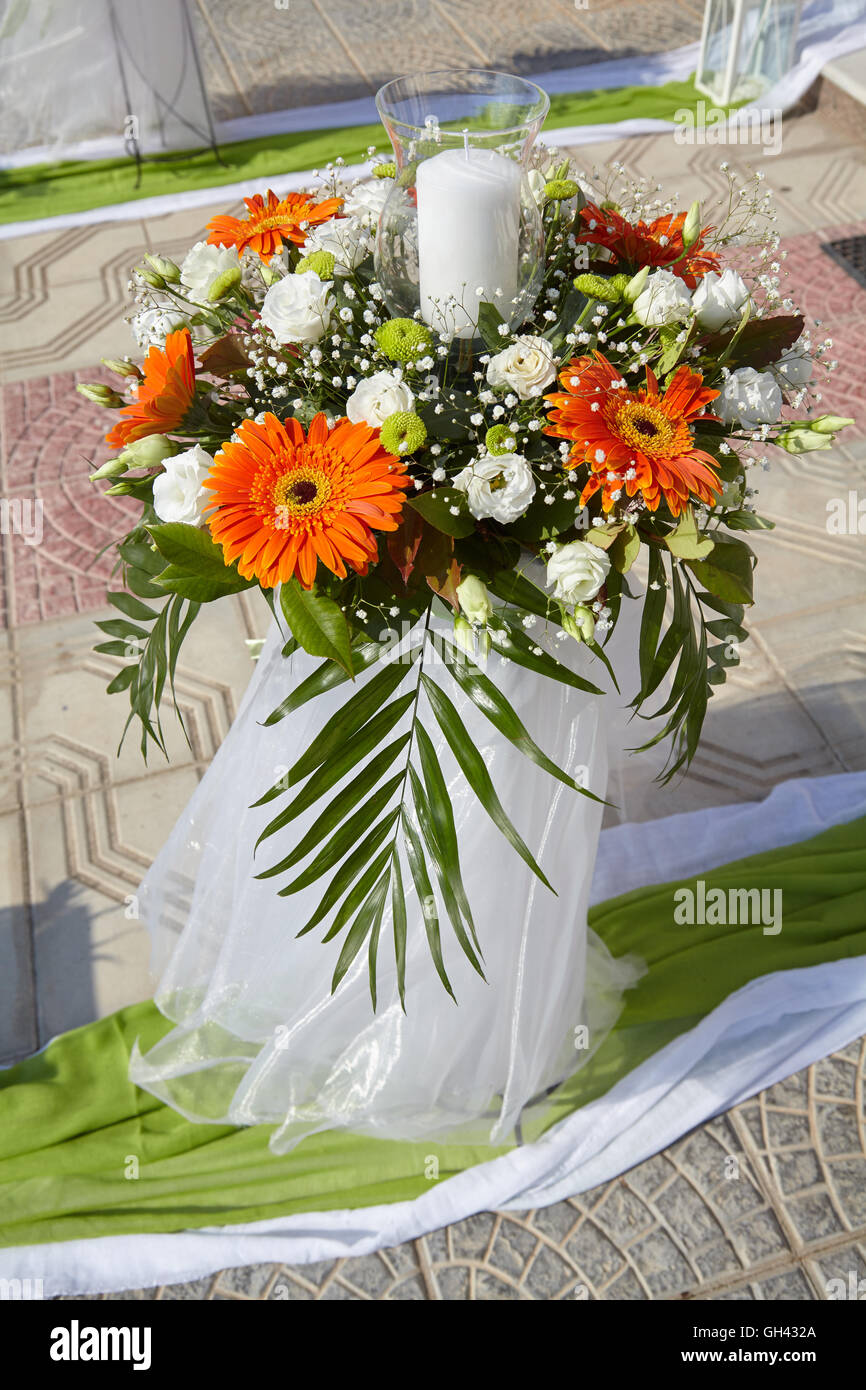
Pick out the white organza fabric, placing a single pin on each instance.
(259, 1037)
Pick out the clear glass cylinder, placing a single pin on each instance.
(461, 225)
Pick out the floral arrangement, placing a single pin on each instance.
(286, 432)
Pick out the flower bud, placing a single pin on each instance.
(111, 469)
(121, 367)
(224, 284)
(161, 265)
(580, 625)
(829, 424)
(100, 394)
(464, 637)
(148, 452)
(635, 286)
(692, 225)
(121, 489)
(150, 277)
(474, 600)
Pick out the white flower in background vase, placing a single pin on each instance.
(298, 308)
(537, 184)
(526, 367)
(665, 299)
(204, 264)
(366, 201)
(500, 486)
(377, 397)
(719, 300)
(794, 368)
(178, 494)
(749, 399)
(151, 326)
(347, 239)
(577, 571)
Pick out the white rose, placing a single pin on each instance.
(298, 308)
(346, 238)
(577, 571)
(377, 397)
(794, 367)
(719, 300)
(367, 200)
(500, 486)
(525, 367)
(152, 326)
(204, 264)
(749, 398)
(178, 494)
(665, 299)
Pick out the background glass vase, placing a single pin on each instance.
(461, 216)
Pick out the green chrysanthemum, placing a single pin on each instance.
(560, 190)
(320, 262)
(597, 287)
(404, 340)
(500, 439)
(403, 432)
(385, 171)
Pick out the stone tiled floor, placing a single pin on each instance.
(766, 1202)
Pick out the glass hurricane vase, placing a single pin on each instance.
(461, 226)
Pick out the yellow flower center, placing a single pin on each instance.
(645, 427)
(269, 224)
(300, 493)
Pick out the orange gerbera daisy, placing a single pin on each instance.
(271, 223)
(165, 393)
(658, 243)
(284, 500)
(635, 441)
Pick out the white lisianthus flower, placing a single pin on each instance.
(298, 308)
(377, 397)
(665, 299)
(347, 238)
(749, 399)
(526, 367)
(500, 486)
(794, 367)
(178, 494)
(204, 264)
(367, 201)
(152, 326)
(719, 300)
(577, 571)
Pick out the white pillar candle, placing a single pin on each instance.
(468, 233)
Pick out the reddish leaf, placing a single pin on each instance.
(761, 342)
(404, 542)
(445, 585)
(224, 357)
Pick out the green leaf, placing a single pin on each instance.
(652, 616)
(625, 549)
(488, 698)
(426, 899)
(474, 769)
(511, 641)
(120, 628)
(398, 920)
(747, 521)
(318, 624)
(727, 573)
(325, 677)
(686, 541)
(192, 552)
(425, 820)
(340, 843)
(353, 715)
(174, 579)
(435, 507)
(347, 874)
(443, 823)
(131, 607)
(122, 680)
(357, 748)
(368, 919)
(514, 588)
(489, 321)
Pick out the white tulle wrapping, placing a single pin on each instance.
(260, 1039)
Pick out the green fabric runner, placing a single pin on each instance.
(48, 190)
(73, 1128)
